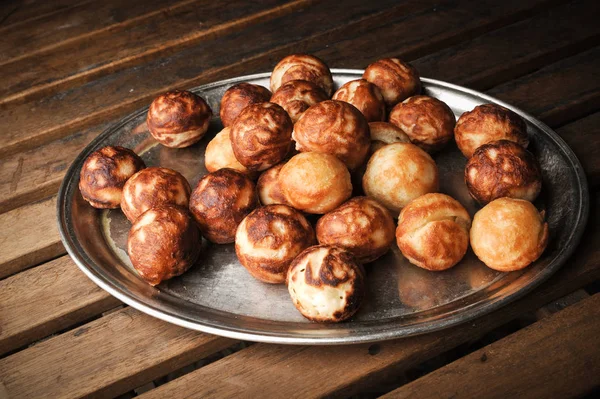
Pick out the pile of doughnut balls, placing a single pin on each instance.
(307, 145)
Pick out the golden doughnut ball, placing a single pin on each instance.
(302, 67)
(238, 97)
(383, 133)
(269, 188)
(365, 96)
(219, 154)
(296, 96)
(396, 79)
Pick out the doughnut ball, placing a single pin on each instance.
(178, 119)
(151, 187)
(314, 182)
(104, 174)
(238, 97)
(365, 96)
(268, 240)
(220, 201)
(486, 123)
(219, 154)
(334, 127)
(428, 121)
(261, 136)
(163, 242)
(503, 169)
(508, 234)
(396, 79)
(326, 284)
(296, 96)
(269, 188)
(302, 67)
(433, 231)
(361, 226)
(383, 133)
(398, 173)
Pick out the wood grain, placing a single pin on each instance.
(526, 364)
(15, 14)
(582, 136)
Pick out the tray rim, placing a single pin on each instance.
(465, 315)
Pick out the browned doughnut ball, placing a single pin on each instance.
(238, 97)
(503, 169)
(269, 188)
(486, 123)
(178, 119)
(383, 133)
(220, 201)
(396, 79)
(296, 96)
(163, 242)
(326, 284)
(104, 174)
(261, 136)
(151, 187)
(336, 128)
(428, 121)
(361, 226)
(268, 240)
(302, 67)
(365, 96)
(219, 154)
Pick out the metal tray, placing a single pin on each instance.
(218, 296)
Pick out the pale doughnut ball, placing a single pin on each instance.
(269, 188)
(151, 187)
(238, 97)
(508, 234)
(261, 136)
(361, 226)
(384, 133)
(163, 243)
(428, 121)
(268, 240)
(396, 79)
(336, 128)
(326, 284)
(219, 154)
(302, 67)
(314, 182)
(365, 96)
(487, 123)
(220, 201)
(178, 119)
(503, 169)
(398, 173)
(296, 96)
(433, 231)
(104, 174)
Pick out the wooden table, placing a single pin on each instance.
(71, 68)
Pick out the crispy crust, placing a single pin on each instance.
(365, 96)
(178, 119)
(269, 188)
(268, 240)
(220, 201)
(104, 174)
(383, 133)
(219, 154)
(503, 169)
(302, 67)
(296, 96)
(396, 79)
(486, 123)
(238, 97)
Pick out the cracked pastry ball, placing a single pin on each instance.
(296, 96)
(365, 96)
(486, 123)
(178, 118)
(163, 243)
(151, 187)
(326, 284)
(302, 67)
(314, 182)
(398, 173)
(269, 239)
(220, 201)
(503, 169)
(219, 154)
(336, 128)
(269, 188)
(261, 136)
(508, 234)
(433, 231)
(361, 226)
(396, 79)
(428, 121)
(383, 133)
(104, 174)
(238, 97)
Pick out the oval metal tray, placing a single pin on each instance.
(218, 296)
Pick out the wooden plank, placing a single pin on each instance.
(15, 14)
(556, 357)
(105, 358)
(44, 300)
